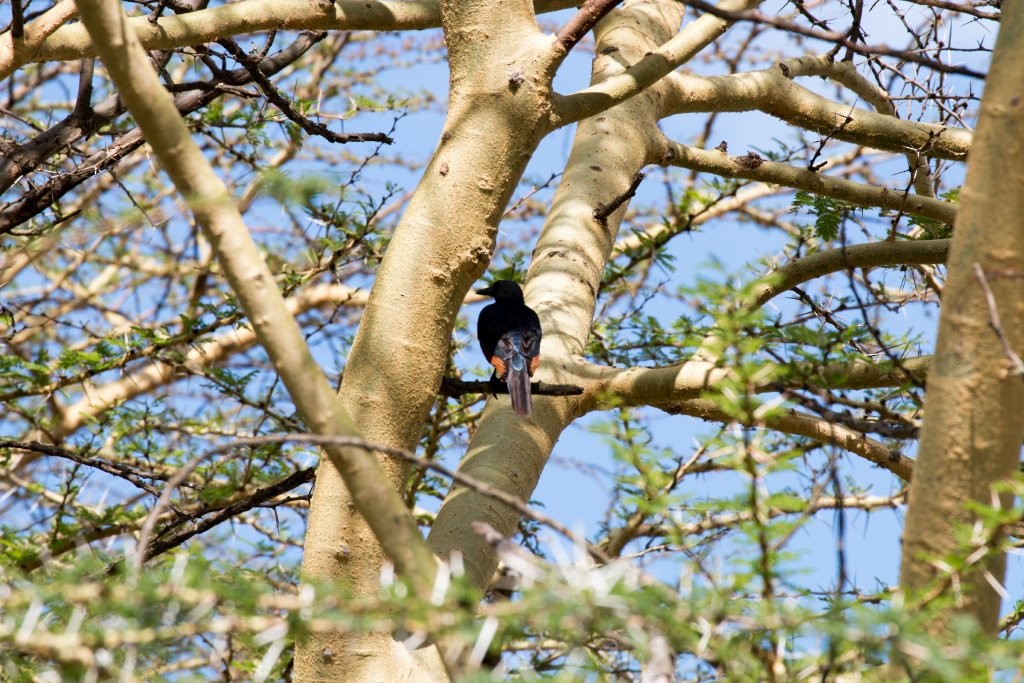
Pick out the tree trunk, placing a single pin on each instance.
(974, 409)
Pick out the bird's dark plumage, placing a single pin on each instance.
(509, 333)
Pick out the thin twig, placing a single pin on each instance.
(590, 12)
(602, 211)
(133, 475)
(1016, 363)
(832, 37)
(534, 190)
(959, 7)
(252, 65)
(84, 98)
(210, 520)
(36, 199)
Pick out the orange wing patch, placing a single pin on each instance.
(534, 364)
(500, 366)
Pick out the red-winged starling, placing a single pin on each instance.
(509, 333)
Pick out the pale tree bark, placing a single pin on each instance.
(249, 16)
(775, 92)
(99, 400)
(862, 194)
(501, 105)
(507, 452)
(17, 50)
(973, 426)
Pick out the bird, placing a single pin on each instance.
(509, 333)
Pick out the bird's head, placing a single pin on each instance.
(503, 290)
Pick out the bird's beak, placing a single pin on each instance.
(486, 291)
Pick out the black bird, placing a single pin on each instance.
(509, 333)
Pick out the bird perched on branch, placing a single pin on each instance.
(509, 333)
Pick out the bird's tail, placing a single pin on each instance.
(519, 386)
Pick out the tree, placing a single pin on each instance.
(207, 280)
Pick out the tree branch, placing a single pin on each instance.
(872, 254)
(81, 124)
(148, 549)
(648, 70)
(200, 355)
(17, 50)
(252, 16)
(591, 12)
(716, 162)
(602, 211)
(774, 92)
(454, 388)
(963, 8)
(729, 520)
(638, 386)
(136, 477)
(800, 424)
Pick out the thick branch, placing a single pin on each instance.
(638, 386)
(972, 431)
(773, 92)
(846, 74)
(647, 70)
(507, 451)
(202, 355)
(798, 271)
(872, 254)
(15, 51)
(251, 16)
(719, 163)
(500, 64)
